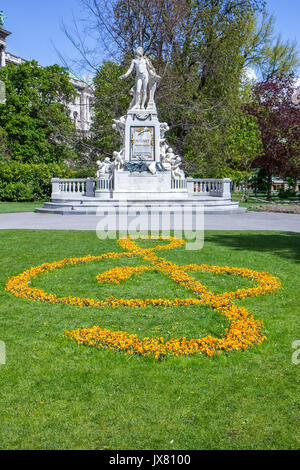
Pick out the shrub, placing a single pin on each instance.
(287, 194)
(36, 178)
(18, 192)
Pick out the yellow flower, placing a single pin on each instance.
(244, 330)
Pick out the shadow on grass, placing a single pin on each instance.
(282, 244)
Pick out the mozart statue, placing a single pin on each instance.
(145, 83)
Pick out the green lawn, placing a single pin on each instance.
(238, 197)
(58, 395)
(10, 207)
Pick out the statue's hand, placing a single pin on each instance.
(122, 77)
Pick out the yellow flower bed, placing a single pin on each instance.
(243, 331)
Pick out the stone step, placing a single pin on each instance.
(210, 206)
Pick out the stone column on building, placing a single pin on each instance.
(3, 36)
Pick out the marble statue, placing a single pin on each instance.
(176, 171)
(119, 160)
(145, 83)
(144, 146)
(172, 162)
(119, 126)
(163, 129)
(104, 167)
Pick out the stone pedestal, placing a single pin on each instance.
(142, 133)
(145, 186)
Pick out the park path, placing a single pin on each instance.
(246, 221)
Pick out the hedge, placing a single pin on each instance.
(28, 182)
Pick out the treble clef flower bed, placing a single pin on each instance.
(243, 331)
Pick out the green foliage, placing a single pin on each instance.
(27, 182)
(287, 194)
(112, 100)
(17, 192)
(259, 180)
(265, 51)
(4, 151)
(35, 119)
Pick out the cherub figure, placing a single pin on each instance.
(119, 160)
(104, 167)
(172, 162)
(119, 126)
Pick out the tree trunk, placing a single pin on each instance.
(269, 187)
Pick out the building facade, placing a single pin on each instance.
(81, 111)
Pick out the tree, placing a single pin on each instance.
(112, 98)
(4, 151)
(265, 51)
(35, 118)
(200, 48)
(278, 116)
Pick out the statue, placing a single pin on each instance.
(119, 160)
(145, 83)
(105, 167)
(172, 162)
(163, 129)
(119, 126)
(177, 172)
(2, 18)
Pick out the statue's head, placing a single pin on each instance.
(139, 51)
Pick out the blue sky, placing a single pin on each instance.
(36, 25)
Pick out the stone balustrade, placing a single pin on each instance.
(178, 184)
(73, 188)
(209, 187)
(105, 183)
(197, 187)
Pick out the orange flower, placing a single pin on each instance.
(243, 332)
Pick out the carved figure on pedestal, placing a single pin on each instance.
(145, 82)
(163, 129)
(172, 162)
(105, 167)
(166, 161)
(119, 160)
(177, 172)
(119, 126)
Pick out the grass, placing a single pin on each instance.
(251, 204)
(58, 395)
(12, 207)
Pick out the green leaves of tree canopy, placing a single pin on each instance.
(35, 119)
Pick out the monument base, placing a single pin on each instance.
(145, 186)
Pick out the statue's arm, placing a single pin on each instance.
(129, 71)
